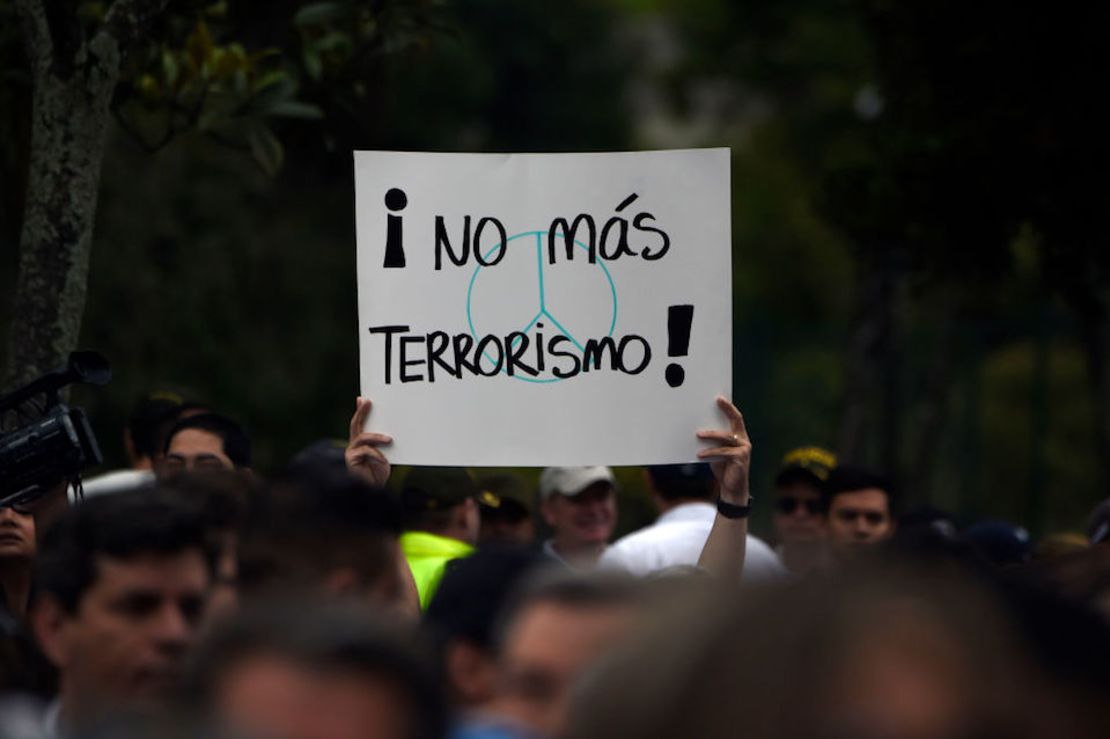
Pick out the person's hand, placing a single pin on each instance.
(731, 458)
(363, 456)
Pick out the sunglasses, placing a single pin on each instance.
(788, 505)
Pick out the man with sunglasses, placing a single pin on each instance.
(798, 516)
(859, 510)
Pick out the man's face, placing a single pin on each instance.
(859, 518)
(583, 520)
(17, 535)
(194, 449)
(797, 515)
(127, 639)
(548, 649)
(512, 526)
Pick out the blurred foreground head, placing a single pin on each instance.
(553, 635)
(121, 587)
(903, 653)
(464, 612)
(278, 670)
(324, 533)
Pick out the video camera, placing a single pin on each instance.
(56, 446)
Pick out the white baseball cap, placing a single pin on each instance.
(571, 481)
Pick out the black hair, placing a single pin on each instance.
(167, 422)
(307, 524)
(474, 589)
(237, 445)
(119, 526)
(850, 479)
(146, 424)
(599, 590)
(794, 475)
(682, 481)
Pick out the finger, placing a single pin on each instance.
(365, 454)
(370, 438)
(719, 451)
(735, 417)
(719, 435)
(358, 420)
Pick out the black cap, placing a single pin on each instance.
(434, 488)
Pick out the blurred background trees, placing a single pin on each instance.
(919, 278)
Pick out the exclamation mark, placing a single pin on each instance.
(395, 200)
(679, 320)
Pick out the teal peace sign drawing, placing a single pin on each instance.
(567, 297)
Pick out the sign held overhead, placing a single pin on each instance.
(544, 309)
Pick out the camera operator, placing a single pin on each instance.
(17, 556)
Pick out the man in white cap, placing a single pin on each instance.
(580, 506)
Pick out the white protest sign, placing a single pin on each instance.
(544, 309)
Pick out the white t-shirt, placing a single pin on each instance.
(677, 538)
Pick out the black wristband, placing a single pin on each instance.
(729, 510)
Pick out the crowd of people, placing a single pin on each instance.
(188, 596)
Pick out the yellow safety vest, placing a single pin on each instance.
(427, 555)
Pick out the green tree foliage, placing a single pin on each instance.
(224, 69)
(957, 152)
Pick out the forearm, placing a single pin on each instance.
(724, 550)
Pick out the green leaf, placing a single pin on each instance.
(296, 109)
(318, 14)
(265, 148)
(312, 64)
(334, 41)
(169, 68)
(199, 45)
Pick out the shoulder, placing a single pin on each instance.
(761, 562)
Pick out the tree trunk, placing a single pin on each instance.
(870, 363)
(933, 407)
(70, 120)
(73, 80)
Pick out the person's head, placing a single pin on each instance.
(919, 653)
(17, 556)
(327, 533)
(333, 671)
(506, 503)
(17, 536)
(999, 543)
(121, 583)
(580, 506)
(859, 509)
(443, 501)
(222, 496)
(206, 441)
(554, 632)
(464, 610)
(673, 484)
(797, 498)
(144, 435)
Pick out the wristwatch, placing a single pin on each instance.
(730, 510)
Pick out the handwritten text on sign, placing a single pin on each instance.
(514, 308)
